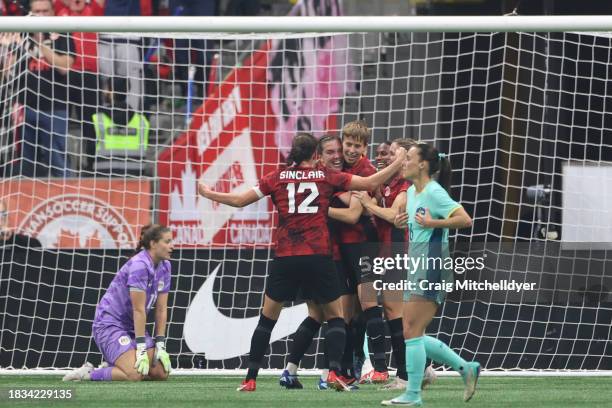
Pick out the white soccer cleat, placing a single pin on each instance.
(397, 384)
(80, 374)
(429, 378)
(404, 401)
(471, 379)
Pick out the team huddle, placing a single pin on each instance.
(334, 209)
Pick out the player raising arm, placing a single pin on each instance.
(121, 315)
(329, 151)
(301, 194)
(430, 213)
(391, 200)
(356, 242)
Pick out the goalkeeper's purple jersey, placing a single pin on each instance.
(138, 273)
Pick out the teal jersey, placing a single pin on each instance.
(440, 205)
(430, 245)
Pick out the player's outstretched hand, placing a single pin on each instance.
(401, 220)
(204, 189)
(162, 356)
(142, 359)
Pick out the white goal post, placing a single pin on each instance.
(312, 24)
(522, 105)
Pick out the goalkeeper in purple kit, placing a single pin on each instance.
(121, 315)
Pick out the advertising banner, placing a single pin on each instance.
(229, 146)
(79, 213)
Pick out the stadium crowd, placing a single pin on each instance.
(89, 85)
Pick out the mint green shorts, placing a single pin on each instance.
(433, 278)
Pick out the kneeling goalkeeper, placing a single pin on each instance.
(121, 315)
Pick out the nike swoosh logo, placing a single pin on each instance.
(207, 330)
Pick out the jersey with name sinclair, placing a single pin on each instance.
(301, 195)
(302, 175)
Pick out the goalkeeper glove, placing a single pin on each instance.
(161, 354)
(142, 359)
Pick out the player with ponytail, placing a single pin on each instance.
(430, 213)
(121, 316)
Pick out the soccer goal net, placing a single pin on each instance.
(103, 133)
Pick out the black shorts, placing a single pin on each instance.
(314, 277)
(347, 284)
(352, 255)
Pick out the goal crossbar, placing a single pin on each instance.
(309, 24)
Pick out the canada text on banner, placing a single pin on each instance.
(85, 213)
(229, 145)
(242, 132)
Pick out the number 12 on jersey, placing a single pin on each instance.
(304, 207)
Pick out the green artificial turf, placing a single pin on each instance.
(220, 391)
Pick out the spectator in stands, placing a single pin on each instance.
(120, 55)
(147, 7)
(61, 7)
(243, 8)
(11, 51)
(8, 236)
(193, 52)
(46, 94)
(83, 76)
(122, 134)
(12, 8)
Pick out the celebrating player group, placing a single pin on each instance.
(322, 234)
(335, 209)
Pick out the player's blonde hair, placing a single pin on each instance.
(357, 130)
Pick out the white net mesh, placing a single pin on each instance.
(513, 111)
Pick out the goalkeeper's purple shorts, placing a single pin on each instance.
(113, 341)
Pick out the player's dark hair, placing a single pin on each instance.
(438, 163)
(327, 139)
(151, 233)
(385, 142)
(304, 145)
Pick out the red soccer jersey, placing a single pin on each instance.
(60, 8)
(350, 234)
(86, 44)
(389, 193)
(334, 226)
(301, 196)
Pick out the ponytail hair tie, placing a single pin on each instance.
(441, 156)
